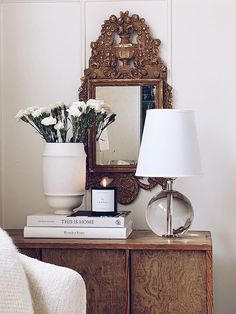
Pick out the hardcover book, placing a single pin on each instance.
(79, 219)
(79, 233)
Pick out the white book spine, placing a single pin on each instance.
(79, 221)
(79, 233)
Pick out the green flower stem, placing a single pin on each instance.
(80, 123)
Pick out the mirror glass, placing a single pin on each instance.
(119, 143)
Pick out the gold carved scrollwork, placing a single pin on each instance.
(125, 49)
(126, 59)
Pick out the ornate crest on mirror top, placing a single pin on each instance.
(135, 55)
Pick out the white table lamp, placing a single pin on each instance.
(169, 149)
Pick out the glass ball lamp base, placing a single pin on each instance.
(170, 213)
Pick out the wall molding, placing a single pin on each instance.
(169, 40)
(2, 135)
(83, 36)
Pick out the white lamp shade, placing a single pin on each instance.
(169, 146)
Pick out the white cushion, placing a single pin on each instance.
(14, 291)
(54, 289)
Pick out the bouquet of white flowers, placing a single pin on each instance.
(61, 123)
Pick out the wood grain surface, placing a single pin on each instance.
(35, 253)
(139, 239)
(168, 282)
(209, 277)
(105, 273)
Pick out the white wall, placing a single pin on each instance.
(203, 72)
(42, 53)
(41, 63)
(1, 137)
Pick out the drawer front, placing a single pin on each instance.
(105, 273)
(168, 282)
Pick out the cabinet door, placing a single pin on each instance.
(168, 282)
(35, 253)
(105, 273)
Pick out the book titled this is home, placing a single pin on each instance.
(79, 219)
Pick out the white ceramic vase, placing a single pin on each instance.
(64, 175)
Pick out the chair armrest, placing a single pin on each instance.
(54, 289)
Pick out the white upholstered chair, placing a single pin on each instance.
(31, 286)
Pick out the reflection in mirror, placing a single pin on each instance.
(119, 143)
(148, 94)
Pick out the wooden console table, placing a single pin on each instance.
(143, 274)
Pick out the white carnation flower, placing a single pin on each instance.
(56, 105)
(80, 104)
(83, 106)
(59, 103)
(67, 105)
(39, 111)
(49, 121)
(59, 125)
(91, 102)
(94, 104)
(106, 108)
(75, 103)
(20, 114)
(29, 110)
(102, 102)
(32, 109)
(74, 111)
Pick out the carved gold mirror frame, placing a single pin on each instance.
(125, 54)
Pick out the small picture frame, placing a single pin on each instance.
(104, 201)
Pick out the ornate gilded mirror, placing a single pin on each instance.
(126, 72)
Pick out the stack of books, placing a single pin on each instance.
(81, 225)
